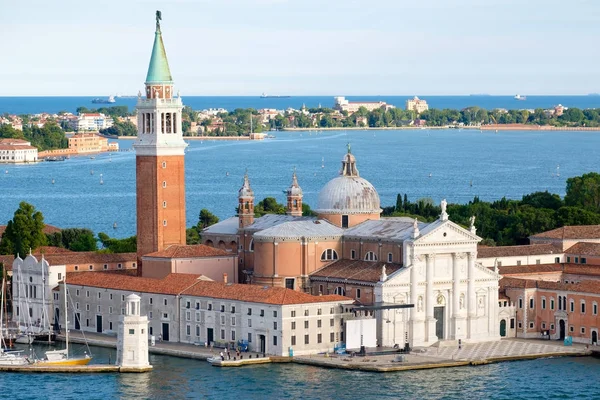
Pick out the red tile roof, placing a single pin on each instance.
(47, 250)
(257, 294)
(514, 251)
(195, 285)
(355, 270)
(172, 284)
(87, 257)
(530, 269)
(584, 249)
(582, 287)
(572, 232)
(189, 251)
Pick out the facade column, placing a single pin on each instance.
(471, 301)
(455, 285)
(429, 300)
(429, 289)
(416, 330)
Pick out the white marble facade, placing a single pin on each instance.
(454, 297)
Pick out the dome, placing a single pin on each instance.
(348, 193)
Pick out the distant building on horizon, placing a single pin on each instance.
(341, 104)
(416, 104)
(90, 122)
(15, 151)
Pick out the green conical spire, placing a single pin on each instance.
(158, 70)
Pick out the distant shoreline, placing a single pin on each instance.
(197, 137)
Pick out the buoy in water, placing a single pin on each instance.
(53, 181)
(115, 225)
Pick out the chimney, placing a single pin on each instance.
(224, 278)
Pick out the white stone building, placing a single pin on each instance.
(15, 151)
(90, 122)
(33, 284)
(188, 308)
(453, 296)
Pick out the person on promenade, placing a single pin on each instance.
(222, 356)
(160, 337)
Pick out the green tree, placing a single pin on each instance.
(120, 128)
(307, 211)
(584, 192)
(206, 219)
(192, 236)
(24, 232)
(111, 245)
(75, 239)
(543, 200)
(269, 205)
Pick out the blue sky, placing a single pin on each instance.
(303, 47)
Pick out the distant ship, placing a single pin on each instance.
(266, 96)
(519, 97)
(98, 100)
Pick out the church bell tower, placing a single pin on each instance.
(160, 180)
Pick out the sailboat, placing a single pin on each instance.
(8, 357)
(322, 162)
(61, 357)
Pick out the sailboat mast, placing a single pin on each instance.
(2, 313)
(66, 319)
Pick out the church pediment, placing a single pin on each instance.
(440, 232)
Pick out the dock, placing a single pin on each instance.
(72, 369)
(471, 354)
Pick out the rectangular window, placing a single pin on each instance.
(197, 330)
(232, 335)
(319, 338)
(110, 296)
(188, 304)
(531, 303)
(306, 339)
(568, 259)
(249, 337)
(538, 261)
(293, 340)
(150, 315)
(571, 328)
(233, 309)
(87, 307)
(233, 321)
(332, 337)
(165, 302)
(293, 313)
(518, 262)
(275, 325)
(319, 311)
(305, 324)
(595, 309)
(222, 334)
(249, 323)
(352, 254)
(520, 303)
(552, 304)
(99, 295)
(222, 308)
(222, 320)
(318, 323)
(110, 310)
(572, 306)
(331, 322)
(583, 261)
(293, 324)
(249, 311)
(289, 283)
(209, 306)
(188, 330)
(582, 330)
(320, 289)
(274, 340)
(358, 293)
(582, 307)
(150, 300)
(274, 314)
(543, 303)
(131, 331)
(576, 260)
(512, 323)
(262, 313)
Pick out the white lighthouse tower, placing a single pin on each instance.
(132, 338)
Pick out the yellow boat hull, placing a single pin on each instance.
(73, 361)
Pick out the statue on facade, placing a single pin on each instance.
(383, 276)
(444, 205)
(158, 19)
(420, 304)
(416, 232)
(461, 301)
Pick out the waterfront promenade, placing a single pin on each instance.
(421, 358)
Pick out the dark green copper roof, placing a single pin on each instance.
(158, 70)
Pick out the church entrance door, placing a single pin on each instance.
(561, 325)
(210, 337)
(503, 328)
(438, 314)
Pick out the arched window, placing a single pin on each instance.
(340, 290)
(390, 257)
(252, 245)
(329, 254)
(370, 256)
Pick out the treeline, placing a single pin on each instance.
(510, 222)
(112, 111)
(120, 128)
(571, 117)
(235, 123)
(50, 136)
